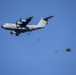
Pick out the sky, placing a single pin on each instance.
(25, 55)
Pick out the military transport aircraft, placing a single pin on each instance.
(22, 26)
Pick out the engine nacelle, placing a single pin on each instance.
(22, 20)
(13, 32)
(18, 23)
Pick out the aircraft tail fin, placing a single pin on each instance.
(44, 21)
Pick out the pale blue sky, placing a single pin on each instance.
(25, 55)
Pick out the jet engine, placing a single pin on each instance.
(13, 32)
(22, 20)
(18, 23)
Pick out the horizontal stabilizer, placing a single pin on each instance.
(48, 18)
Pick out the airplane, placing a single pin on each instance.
(22, 25)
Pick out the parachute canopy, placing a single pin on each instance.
(68, 49)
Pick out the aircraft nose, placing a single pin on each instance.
(1, 26)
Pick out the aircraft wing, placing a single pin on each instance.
(24, 22)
